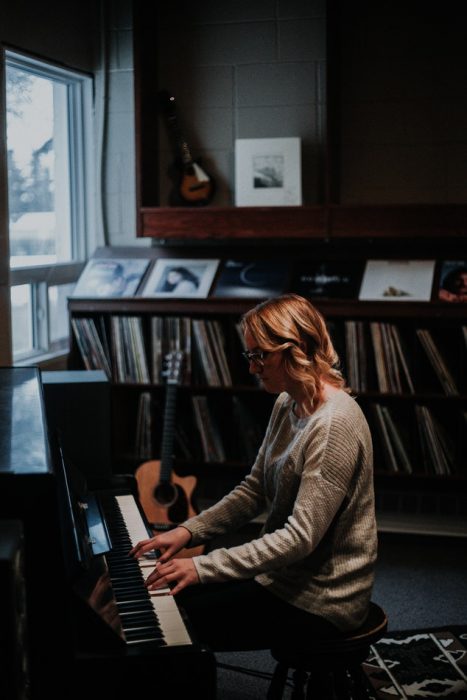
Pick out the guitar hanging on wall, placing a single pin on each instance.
(165, 497)
(192, 185)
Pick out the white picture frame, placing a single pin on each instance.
(195, 278)
(268, 172)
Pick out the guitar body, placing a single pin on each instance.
(192, 186)
(148, 477)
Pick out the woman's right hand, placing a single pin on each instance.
(168, 543)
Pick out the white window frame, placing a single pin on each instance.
(80, 130)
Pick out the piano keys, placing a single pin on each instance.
(91, 616)
(145, 616)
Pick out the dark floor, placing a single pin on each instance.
(421, 582)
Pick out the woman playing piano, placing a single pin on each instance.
(311, 569)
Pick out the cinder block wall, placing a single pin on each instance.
(244, 70)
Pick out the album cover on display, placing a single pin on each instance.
(453, 281)
(110, 277)
(177, 277)
(330, 279)
(240, 278)
(397, 280)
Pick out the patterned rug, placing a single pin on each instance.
(419, 664)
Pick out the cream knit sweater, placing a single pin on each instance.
(318, 546)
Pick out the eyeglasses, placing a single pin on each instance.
(256, 356)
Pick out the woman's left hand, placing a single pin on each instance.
(182, 572)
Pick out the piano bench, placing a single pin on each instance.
(330, 668)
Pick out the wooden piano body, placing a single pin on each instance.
(80, 595)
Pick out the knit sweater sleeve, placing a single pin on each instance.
(238, 507)
(245, 502)
(330, 456)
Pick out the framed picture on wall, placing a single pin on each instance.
(268, 172)
(177, 277)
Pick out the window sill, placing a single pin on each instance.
(50, 361)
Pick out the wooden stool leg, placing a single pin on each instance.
(342, 685)
(320, 686)
(277, 685)
(360, 689)
(299, 680)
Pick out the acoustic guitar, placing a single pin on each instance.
(165, 497)
(192, 185)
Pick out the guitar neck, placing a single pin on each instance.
(168, 433)
(179, 145)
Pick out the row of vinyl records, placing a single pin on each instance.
(119, 348)
(434, 452)
(382, 345)
(198, 436)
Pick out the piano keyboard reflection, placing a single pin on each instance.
(146, 616)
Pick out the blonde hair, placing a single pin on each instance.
(292, 324)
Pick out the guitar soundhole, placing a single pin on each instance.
(165, 494)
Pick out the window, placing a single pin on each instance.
(48, 147)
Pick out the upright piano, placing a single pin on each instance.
(93, 629)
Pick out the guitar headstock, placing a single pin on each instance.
(166, 98)
(166, 101)
(173, 371)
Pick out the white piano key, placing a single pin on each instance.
(171, 622)
(146, 570)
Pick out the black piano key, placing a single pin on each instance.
(129, 597)
(142, 633)
(139, 617)
(130, 605)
